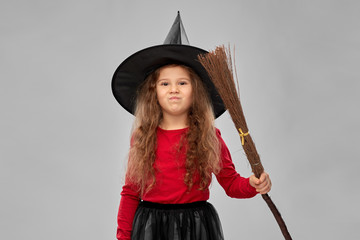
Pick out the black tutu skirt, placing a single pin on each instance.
(189, 221)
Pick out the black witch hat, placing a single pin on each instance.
(176, 49)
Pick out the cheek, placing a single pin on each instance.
(157, 94)
(191, 95)
(159, 97)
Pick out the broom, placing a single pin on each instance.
(218, 64)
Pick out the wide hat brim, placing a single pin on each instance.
(132, 72)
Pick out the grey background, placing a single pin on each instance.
(64, 138)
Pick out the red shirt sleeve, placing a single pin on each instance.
(128, 205)
(234, 185)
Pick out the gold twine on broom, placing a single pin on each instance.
(242, 136)
(218, 64)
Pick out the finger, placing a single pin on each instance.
(263, 177)
(263, 183)
(265, 189)
(254, 180)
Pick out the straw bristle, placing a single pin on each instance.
(218, 64)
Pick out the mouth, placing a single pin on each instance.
(174, 98)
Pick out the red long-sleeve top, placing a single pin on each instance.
(170, 187)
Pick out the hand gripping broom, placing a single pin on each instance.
(218, 64)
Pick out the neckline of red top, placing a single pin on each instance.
(173, 130)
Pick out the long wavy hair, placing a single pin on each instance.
(202, 144)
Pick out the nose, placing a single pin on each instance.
(174, 88)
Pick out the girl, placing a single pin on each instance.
(175, 148)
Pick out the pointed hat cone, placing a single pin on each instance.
(177, 34)
(176, 50)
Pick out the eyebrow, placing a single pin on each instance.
(167, 79)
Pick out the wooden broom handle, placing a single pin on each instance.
(277, 216)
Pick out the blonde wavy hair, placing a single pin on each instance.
(203, 148)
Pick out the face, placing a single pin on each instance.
(174, 91)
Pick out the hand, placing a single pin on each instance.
(262, 184)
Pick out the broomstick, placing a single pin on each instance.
(218, 64)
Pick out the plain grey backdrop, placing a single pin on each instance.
(64, 139)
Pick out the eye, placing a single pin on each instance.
(164, 84)
(183, 83)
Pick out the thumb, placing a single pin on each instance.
(254, 180)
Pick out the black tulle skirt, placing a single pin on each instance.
(190, 221)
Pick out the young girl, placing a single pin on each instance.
(175, 148)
